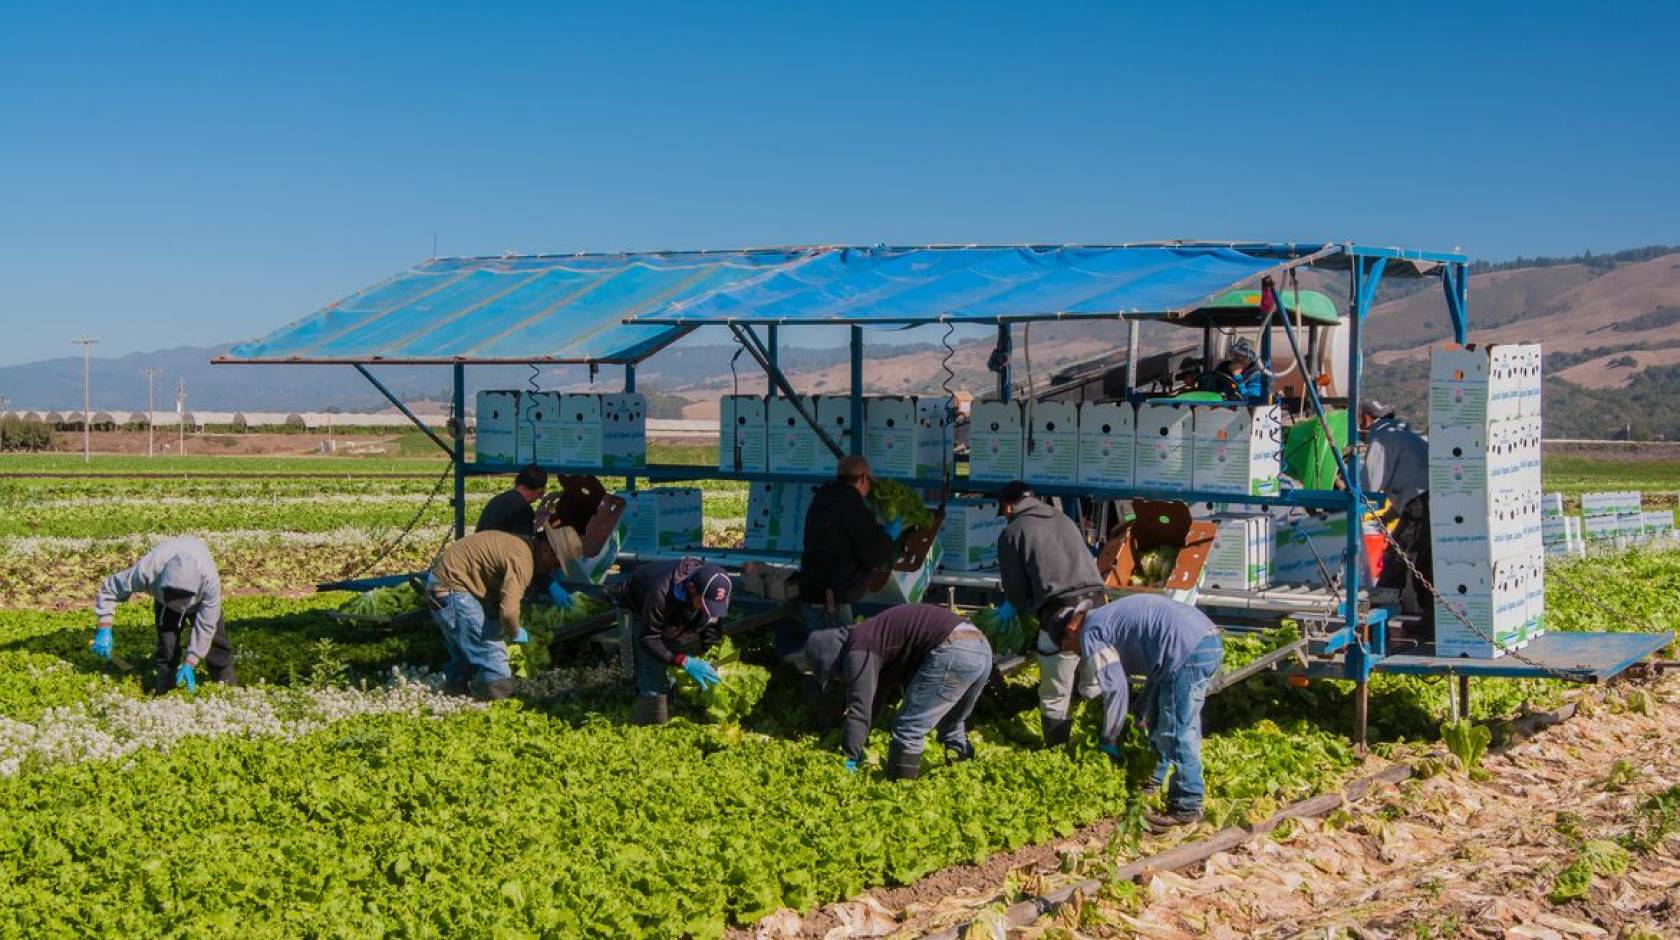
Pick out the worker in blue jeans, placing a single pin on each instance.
(941, 660)
(1177, 650)
(487, 569)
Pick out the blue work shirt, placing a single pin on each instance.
(1142, 635)
(1251, 384)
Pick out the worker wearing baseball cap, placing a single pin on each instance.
(1396, 468)
(474, 590)
(677, 610)
(1246, 381)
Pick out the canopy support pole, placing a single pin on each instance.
(458, 401)
(630, 388)
(1131, 357)
(393, 399)
(857, 390)
(773, 344)
(756, 349)
(1004, 391)
(1455, 282)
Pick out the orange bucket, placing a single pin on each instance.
(1376, 545)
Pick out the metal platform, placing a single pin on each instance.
(1583, 657)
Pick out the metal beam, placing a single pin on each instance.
(1317, 403)
(773, 346)
(393, 399)
(1455, 284)
(756, 349)
(1004, 341)
(857, 390)
(459, 402)
(1131, 356)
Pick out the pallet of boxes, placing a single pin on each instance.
(1484, 499)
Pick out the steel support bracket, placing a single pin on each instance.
(756, 349)
(393, 399)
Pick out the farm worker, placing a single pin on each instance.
(186, 593)
(1048, 571)
(484, 570)
(511, 511)
(1245, 382)
(677, 610)
(942, 662)
(1177, 650)
(844, 547)
(1396, 466)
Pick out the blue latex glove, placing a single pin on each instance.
(102, 644)
(522, 636)
(1112, 750)
(1006, 613)
(561, 597)
(701, 672)
(186, 677)
(894, 528)
(851, 765)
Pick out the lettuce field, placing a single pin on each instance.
(339, 793)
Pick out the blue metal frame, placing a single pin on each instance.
(393, 399)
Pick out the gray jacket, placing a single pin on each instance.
(1396, 462)
(183, 563)
(1042, 558)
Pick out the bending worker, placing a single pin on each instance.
(486, 570)
(1396, 465)
(941, 660)
(677, 610)
(512, 511)
(186, 593)
(844, 546)
(1048, 571)
(1177, 650)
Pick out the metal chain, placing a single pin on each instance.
(1613, 613)
(385, 550)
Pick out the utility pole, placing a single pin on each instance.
(151, 422)
(86, 342)
(181, 416)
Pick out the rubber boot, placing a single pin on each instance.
(496, 690)
(650, 710)
(957, 755)
(1057, 731)
(902, 765)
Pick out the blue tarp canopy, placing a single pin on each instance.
(617, 308)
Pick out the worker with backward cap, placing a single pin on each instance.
(844, 546)
(676, 610)
(1048, 571)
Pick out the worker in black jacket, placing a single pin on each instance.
(677, 610)
(844, 546)
(1048, 571)
(511, 511)
(941, 660)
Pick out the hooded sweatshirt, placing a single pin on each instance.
(183, 563)
(655, 594)
(843, 545)
(1043, 559)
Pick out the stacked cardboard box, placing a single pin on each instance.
(742, 437)
(589, 430)
(995, 442)
(776, 516)
(1164, 445)
(1485, 504)
(1236, 448)
(1107, 443)
(908, 437)
(1051, 450)
(1241, 557)
(502, 437)
(1612, 520)
(793, 447)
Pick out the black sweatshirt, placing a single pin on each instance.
(883, 652)
(648, 594)
(508, 512)
(843, 545)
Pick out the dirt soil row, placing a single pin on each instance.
(1440, 856)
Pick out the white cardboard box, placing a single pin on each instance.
(1536, 624)
(1494, 598)
(1164, 446)
(908, 437)
(1551, 505)
(793, 447)
(776, 515)
(1237, 449)
(570, 432)
(624, 431)
(498, 421)
(1241, 556)
(969, 535)
(1301, 541)
(1474, 458)
(1476, 386)
(741, 433)
(662, 519)
(909, 587)
(1051, 449)
(1107, 443)
(995, 442)
(834, 413)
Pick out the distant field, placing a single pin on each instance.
(1573, 475)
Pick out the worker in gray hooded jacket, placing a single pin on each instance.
(1048, 571)
(186, 593)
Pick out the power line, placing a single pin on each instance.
(86, 342)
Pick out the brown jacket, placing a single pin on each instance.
(494, 567)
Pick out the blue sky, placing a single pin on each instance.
(177, 174)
